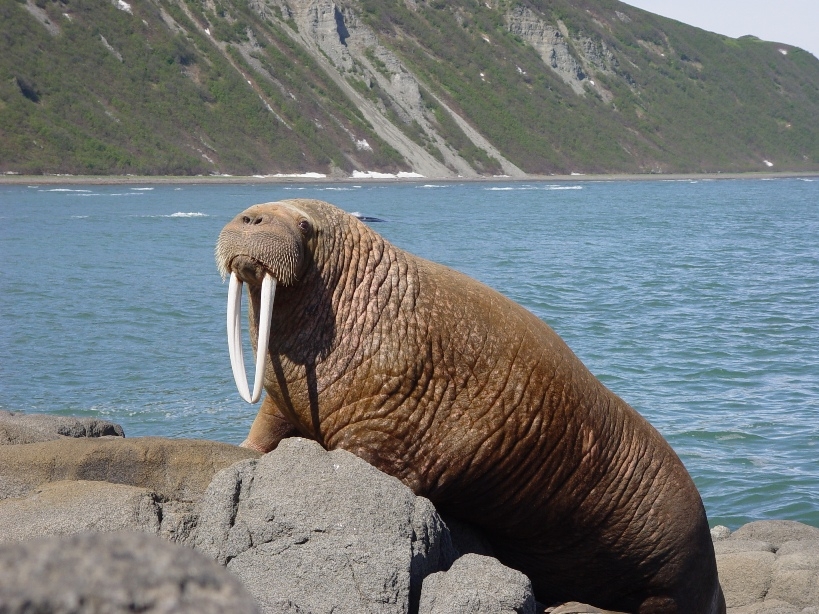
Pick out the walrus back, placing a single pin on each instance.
(572, 485)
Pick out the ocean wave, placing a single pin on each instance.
(432, 185)
(142, 189)
(63, 190)
(177, 214)
(532, 187)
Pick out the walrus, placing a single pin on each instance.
(470, 400)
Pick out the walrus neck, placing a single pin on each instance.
(348, 311)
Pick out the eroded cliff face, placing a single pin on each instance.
(384, 89)
(576, 60)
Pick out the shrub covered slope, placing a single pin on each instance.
(461, 87)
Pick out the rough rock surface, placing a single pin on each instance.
(550, 43)
(113, 573)
(771, 567)
(477, 584)
(20, 428)
(175, 469)
(308, 530)
(67, 508)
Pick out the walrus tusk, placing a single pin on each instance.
(234, 331)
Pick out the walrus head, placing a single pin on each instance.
(265, 245)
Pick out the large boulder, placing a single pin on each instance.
(771, 567)
(20, 428)
(115, 573)
(175, 469)
(308, 530)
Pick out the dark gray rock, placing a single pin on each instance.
(477, 584)
(113, 573)
(20, 428)
(308, 530)
(175, 469)
(466, 538)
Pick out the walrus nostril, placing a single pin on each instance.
(252, 221)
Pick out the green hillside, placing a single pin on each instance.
(185, 87)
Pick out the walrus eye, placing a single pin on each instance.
(304, 226)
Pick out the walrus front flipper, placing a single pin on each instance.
(269, 428)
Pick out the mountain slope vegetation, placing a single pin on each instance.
(457, 88)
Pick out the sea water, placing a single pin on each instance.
(695, 301)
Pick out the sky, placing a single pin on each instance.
(795, 22)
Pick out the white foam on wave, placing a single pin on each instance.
(532, 187)
(432, 185)
(178, 214)
(63, 190)
(142, 189)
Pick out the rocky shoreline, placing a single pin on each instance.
(94, 522)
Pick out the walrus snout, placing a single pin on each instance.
(264, 238)
(248, 269)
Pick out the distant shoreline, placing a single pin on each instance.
(255, 179)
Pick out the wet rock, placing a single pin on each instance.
(115, 573)
(316, 531)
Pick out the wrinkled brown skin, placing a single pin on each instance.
(475, 403)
